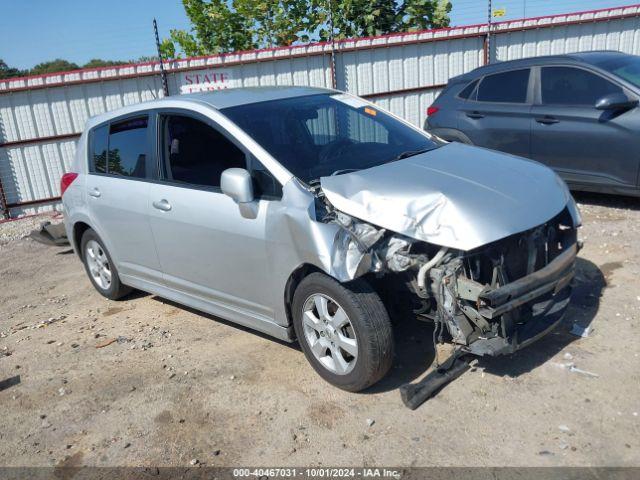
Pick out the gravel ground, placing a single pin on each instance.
(17, 229)
(146, 382)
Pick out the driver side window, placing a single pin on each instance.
(196, 154)
(573, 86)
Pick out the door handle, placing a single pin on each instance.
(163, 205)
(95, 193)
(547, 120)
(475, 115)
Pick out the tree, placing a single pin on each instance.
(359, 18)
(60, 65)
(9, 72)
(57, 65)
(423, 14)
(225, 26)
(145, 59)
(98, 62)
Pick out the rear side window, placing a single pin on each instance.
(128, 148)
(99, 146)
(468, 90)
(573, 86)
(507, 87)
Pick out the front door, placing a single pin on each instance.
(209, 250)
(586, 146)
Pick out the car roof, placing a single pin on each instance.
(217, 99)
(592, 58)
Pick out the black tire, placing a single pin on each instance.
(116, 289)
(369, 320)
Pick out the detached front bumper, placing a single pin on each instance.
(527, 308)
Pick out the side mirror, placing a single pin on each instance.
(237, 184)
(616, 101)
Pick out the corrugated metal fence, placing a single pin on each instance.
(42, 116)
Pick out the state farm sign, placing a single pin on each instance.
(206, 80)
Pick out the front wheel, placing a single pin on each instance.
(344, 331)
(100, 268)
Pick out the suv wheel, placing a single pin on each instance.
(344, 331)
(100, 268)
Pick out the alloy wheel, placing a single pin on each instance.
(98, 264)
(329, 334)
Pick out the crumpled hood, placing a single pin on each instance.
(455, 196)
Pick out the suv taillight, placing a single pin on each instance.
(66, 180)
(432, 110)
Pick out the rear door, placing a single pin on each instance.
(586, 146)
(120, 170)
(497, 114)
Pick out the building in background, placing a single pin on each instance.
(41, 117)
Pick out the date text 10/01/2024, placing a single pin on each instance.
(317, 472)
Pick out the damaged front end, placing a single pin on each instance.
(500, 297)
(481, 243)
(490, 300)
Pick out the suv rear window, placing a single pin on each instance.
(506, 87)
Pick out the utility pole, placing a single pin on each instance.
(334, 83)
(163, 74)
(488, 44)
(6, 213)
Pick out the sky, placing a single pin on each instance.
(33, 31)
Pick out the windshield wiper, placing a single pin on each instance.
(411, 153)
(344, 170)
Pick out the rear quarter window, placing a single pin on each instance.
(467, 91)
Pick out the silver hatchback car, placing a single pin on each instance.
(314, 215)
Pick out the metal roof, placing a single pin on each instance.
(98, 74)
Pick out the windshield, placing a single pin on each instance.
(327, 134)
(627, 68)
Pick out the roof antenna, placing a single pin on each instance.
(163, 74)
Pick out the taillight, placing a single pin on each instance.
(66, 180)
(432, 110)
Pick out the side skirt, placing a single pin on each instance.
(241, 317)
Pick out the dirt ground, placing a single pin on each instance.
(179, 387)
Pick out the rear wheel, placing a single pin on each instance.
(100, 268)
(344, 331)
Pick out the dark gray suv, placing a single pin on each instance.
(576, 113)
